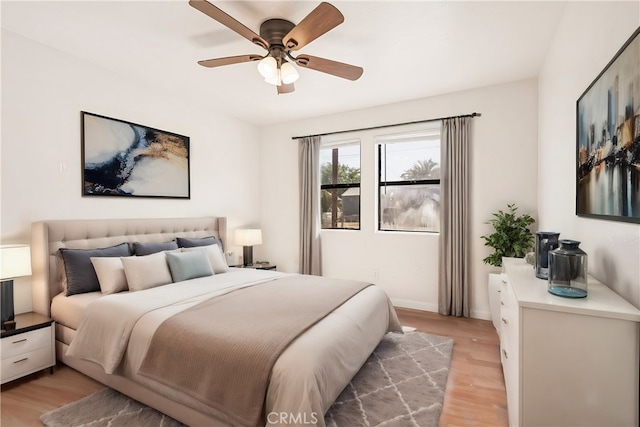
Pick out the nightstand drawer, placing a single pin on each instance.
(25, 342)
(26, 363)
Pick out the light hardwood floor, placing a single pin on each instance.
(475, 393)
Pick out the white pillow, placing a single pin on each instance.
(216, 257)
(148, 271)
(110, 272)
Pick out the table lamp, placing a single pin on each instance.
(15, 261)
(247, 238)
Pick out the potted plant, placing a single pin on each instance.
(511, 237)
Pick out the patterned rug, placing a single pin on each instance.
(401, 384)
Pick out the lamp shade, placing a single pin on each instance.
(248, 237)
(274, 79)
(268, 66)
(288, 73)
(15, 261)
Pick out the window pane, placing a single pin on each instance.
(410, 207)
(347, 164)
(340, 208)
(340, 165)
(410, 161)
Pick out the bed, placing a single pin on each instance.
(305, 378)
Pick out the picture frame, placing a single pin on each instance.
(608, 140)
(126, 159)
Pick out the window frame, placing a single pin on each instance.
(335, 146)
(382, 182)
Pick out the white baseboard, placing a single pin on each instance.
(483, 315)
(424, 306)
(416, 305)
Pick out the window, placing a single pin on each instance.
(409, 181)
(340, 185)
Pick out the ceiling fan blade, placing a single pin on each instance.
(321, 19)
(218, 62)
(226, 20)
(286, 88)
(335, 68)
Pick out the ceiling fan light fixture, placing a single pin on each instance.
(279, 37)
(268, 67)
(288, 73)
(274, 79)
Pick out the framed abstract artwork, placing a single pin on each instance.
(121, 158)
(608, 140)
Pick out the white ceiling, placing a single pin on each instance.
(408, 50)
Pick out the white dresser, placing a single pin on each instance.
(567, 362)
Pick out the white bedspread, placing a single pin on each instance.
(307, 377)
(104, 331)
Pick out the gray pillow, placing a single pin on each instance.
(81, 276)
(142, 249)
(188, 265)
(185, 242)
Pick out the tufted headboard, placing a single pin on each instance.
(49, 236)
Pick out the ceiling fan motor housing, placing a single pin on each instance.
(274, 30)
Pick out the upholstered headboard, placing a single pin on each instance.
(49, 236)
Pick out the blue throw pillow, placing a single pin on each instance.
(188, 265)
(81, 276)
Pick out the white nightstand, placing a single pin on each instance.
(29, 347)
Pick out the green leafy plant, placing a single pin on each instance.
(511, 237)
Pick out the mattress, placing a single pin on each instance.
(68, 310)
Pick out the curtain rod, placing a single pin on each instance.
(387, 126)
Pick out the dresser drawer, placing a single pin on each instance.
(23, 343)
(508, 314)
(510, 348)
(23, 364)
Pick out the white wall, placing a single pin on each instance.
(43, 92)
(504, 168)
(587, 38)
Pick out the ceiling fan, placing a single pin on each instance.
(281, 37)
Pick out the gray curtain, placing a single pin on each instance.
(308, 166)
(455, 267)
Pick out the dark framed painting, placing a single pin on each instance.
(121, 158)
(608, 140)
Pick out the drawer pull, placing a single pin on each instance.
(504, 352)
(16, 342)
(505, 321)
(21, 360)
(501, 302)
(504, 281)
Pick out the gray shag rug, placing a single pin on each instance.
(401, 384)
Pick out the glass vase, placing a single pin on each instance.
(568, 270)
(545, 242)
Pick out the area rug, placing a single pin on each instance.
(401, 384)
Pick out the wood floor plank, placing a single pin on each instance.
(475, 394)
